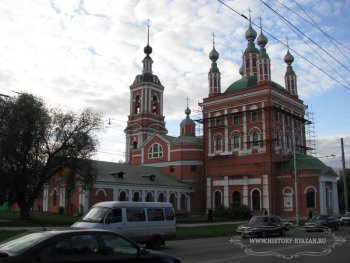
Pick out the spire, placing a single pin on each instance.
(290, 77)
(264, 63)
(147, 61)
(214, 73)
(251, 52)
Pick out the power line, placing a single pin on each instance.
(279, 41)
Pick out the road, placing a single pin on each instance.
(333, 249)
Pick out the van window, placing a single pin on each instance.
(155, 214)
(135, 214)
(169, 214)
(114, 216)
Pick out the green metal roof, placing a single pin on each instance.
(183, 139)
(120, 173)
(249, 82)
(307, 162)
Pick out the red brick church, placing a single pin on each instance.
(252, 147)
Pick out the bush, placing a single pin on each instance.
(242, 212)
(61, 210)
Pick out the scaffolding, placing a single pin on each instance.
(310, 132)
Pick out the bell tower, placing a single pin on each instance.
(146, 106)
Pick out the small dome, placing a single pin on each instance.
(147, 49)
(214, 55)
(241, 70)
(262, 40)
(288, 58)
(250, 34)
(187, 111)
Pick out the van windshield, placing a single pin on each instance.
(95, 214)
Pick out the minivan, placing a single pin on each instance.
(149, 223)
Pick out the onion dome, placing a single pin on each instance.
(250, 34)
(241, 70)
(262, 40)
(288, 58)
(147, 49)
(188, 120)
(214, 55)
(187, 111)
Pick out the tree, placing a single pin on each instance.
(37, 143)
(341, 194)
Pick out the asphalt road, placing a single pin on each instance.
(297, 246)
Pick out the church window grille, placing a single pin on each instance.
(235, 119)
(236, 141)
(255, 138)
(218, 143)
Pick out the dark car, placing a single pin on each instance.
(345, 219)
(322, 222)
(262, 226)
(78, 246)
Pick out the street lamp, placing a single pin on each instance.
(295, 183)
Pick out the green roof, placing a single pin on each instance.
(249, 82)
(120, 173)
(307, 162)
(183, 139)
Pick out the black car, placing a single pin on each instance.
(322, 222)
(263, 226)
(78, 246)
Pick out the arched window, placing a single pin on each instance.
(288, 141)
(136, 197)
(310, 198)
(236, 141)
(149, 197)
(155, 151)
(217, 199)
(154, 104)
(137, 104)
(254, 116)
(134, 145)
(122, 196)
(288, 199)
(161, 197)
(54, 197)
(256, 200)
(255, 138)
(236, 199)
(218, 143)
(217, 121)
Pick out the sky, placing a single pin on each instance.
(77, 54)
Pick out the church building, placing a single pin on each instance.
(253, 150)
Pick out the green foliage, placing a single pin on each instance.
(236, 213)
(37, 143)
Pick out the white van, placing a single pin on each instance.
(150, 223)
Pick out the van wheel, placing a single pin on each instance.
(263, 234)
(155, 243)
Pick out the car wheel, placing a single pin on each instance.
(263, 234)
(155, 243)
(282, 232)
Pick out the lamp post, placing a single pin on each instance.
(295, 183)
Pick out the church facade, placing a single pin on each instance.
(253, 150)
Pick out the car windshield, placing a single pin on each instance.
(319, 217)
(19, 244)
(95, 214)
(259, 219)
(347, 214)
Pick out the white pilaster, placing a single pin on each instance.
(266, 203)
(244, 120)
(188, 202)
(322, 192)
(226, 194)
(209, 193)
(226, 131)
(245, 190)
(46, 199)
(335, 198)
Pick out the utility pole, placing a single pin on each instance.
(344, 176)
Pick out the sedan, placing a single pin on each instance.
(322, 222)
(78, 246)
(263, 226)
(345, 219)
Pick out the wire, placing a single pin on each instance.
(279, 41)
